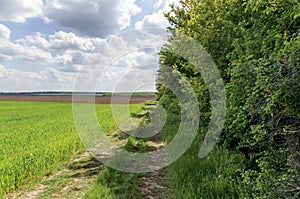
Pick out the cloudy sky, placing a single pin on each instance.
(67, 45)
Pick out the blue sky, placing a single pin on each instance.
(49, 45)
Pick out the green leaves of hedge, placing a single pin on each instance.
(256, 47)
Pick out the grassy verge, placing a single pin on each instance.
(215, 176)
(218, 175)
(116, 184)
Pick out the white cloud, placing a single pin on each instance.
(4, 57)
(137, 59)
(12, 77)
(157, 19)
(62, 48)
(20, 10)
(64, 59)
(34, 55)
(49, 79)
(89, 58)
(64, 41)
(97, 18)
(158, 4)
(57, 76)
(127, 79)
(61, 56)
(11, 50)
(37, 39)
(8, 49)
(4, 32)
(60, 41)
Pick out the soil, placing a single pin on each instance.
(68, 99)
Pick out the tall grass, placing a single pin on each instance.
(218, 175)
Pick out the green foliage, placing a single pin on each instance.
(134, 145)
(255, 45)
(264, 95)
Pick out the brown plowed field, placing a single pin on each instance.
(68, 99)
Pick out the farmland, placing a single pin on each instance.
(37, 137)
(68, 98)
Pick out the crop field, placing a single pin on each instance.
(138, 99)
(37, 137)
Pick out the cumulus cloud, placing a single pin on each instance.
(71, 54)
(96, 18)
(14, 80)
(139, 58)
(123, 61)
(62, 48)
(15, 75)
(48, 79)
(64, 41)
(20, 10)
(34, 54)
(58, 76)
(36, 39)
(4, 57)
(157, 18)
(127, 79)
(158, 4)
(60, 41)
(10, 50)
(4, 32)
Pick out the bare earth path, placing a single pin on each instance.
(78, 178)
(158, 184)
(72, 182)
(81, 173)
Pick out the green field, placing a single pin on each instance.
(36, 138)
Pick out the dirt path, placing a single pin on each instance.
(158, 184)
(72, 182)
(78, 178)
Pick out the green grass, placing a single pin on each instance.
(218, 175)
(115, 184)
(215, 176)
(112, 183)
(37, 137)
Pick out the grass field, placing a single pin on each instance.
(37, 137)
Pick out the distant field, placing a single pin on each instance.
(35, 137)
(68, 98)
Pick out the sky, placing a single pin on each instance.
(80, 45)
